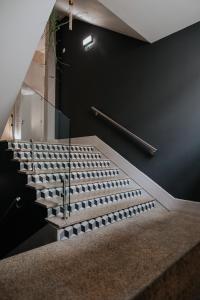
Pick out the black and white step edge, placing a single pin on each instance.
(64, 165)
(105, 220)
(83, 188)
(59, 177)
(49, 147)
(56, 155)
(109, 199)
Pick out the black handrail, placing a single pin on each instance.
(149, 148)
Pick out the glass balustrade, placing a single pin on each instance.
(37, 121)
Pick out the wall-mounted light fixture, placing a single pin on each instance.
(88, 42)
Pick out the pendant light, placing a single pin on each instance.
(71, 3)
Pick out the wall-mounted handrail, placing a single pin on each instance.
(149, 148)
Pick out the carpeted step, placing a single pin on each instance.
(54, 156)
(60, 166)
(77, 182)
(57, 147)
(81, 191)
(84, 197)
(96, 201)
(152, 256)
(73, 176)
(97, 217)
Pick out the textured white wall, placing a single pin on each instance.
(22, 23)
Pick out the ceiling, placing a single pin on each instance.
(149, 20)
(93, 12)
(155, 19)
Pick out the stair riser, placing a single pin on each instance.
(78, 206)
(55, 156)
(50, 147)
(83, 188)
(59, 177)
(105, 220)
(38, 166)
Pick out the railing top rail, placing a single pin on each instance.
(149, 148)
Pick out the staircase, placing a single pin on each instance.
(100, 193)
(127, 237)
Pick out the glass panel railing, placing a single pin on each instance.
(48, 131)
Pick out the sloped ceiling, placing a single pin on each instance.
(149, 20)
(93, 12)
(155, 19)
(21, 26)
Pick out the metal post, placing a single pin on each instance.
(13, 127)
(69, 174)
(32, 155)
(64, 199)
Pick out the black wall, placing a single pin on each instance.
(17, 221)
(153, 90)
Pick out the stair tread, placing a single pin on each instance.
(72, 163)
(55, 160)
(97, 211)
(42, 186)
(78, 171)
(56, 201)
(57, 152)
(120, 262)
(48, 143)
(83, 194)
(57, 171)
(52, 151)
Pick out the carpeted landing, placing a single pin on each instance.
(152, 256)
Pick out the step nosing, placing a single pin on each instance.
(54, 182)
(57, 171)
(138, 207)
(55, 202)
(92, 186)
(95, 202)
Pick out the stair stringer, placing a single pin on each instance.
(151, 187)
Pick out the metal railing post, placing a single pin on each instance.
(32, 155)
(69, 205)
(64, 199)
(13, 126)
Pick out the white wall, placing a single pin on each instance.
(35, 77)
(22, 23)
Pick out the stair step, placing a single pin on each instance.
(103, 200)
(73, 176)
(27, 146)
(49, 156)
(85, 188)
(59, 166)
(101, 216)
(58, 200)
(73, 184)
(58, 171)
